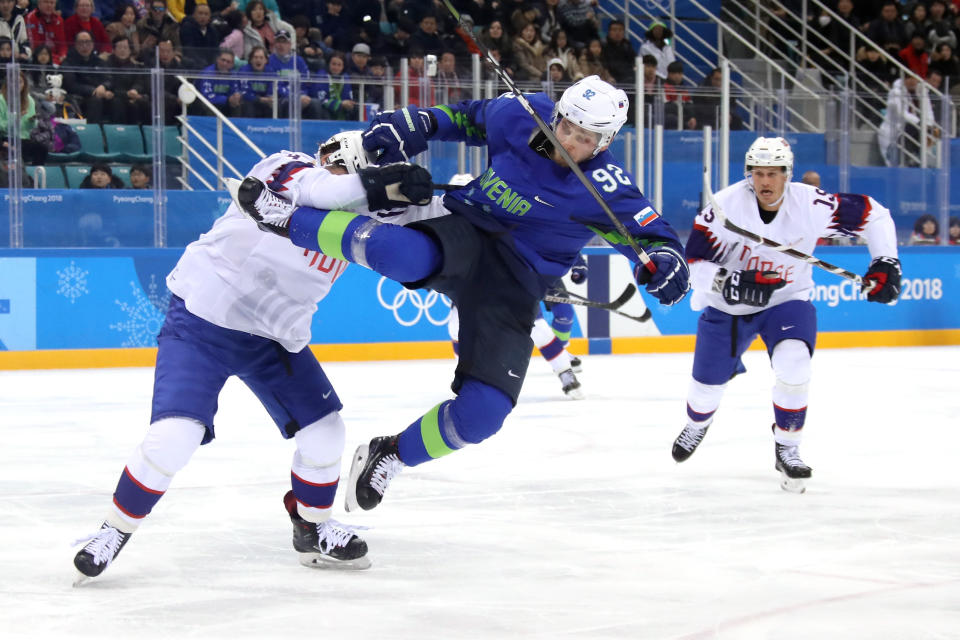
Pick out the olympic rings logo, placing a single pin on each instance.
(422, 305)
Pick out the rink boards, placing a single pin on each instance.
(62, 308)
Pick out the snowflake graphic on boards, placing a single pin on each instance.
(72, 282)
(144, 315)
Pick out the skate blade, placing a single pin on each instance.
(320, 561)
(575, 394)
(359, 460)
(80, 579)
(792, 485)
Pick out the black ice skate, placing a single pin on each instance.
(688, 441)
(792, 469)
(576, 365)
(571, 386)
(325, 545)
(101, 548)
(374, 466)
(269, 210)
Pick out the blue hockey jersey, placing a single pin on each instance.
(545, 212)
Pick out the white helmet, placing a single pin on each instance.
(769, 152)
(346, 150)
(594, 105)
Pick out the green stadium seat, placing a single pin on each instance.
(55, 179)
(75, 175)
(122, 171)
(91, 142)
(124, 143)
(172, 146)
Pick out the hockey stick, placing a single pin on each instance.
(612, 307)
(614, 304)
(776, 246)
(547, 131)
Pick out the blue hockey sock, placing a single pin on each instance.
(399, 253)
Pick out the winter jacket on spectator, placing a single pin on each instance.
(284, 67)
(619, 58)
(217, 87)
(200, 44)
(528, 59)
(331, 91)
(47, 29)
(253, 89)
(74, 25)
(168, 28)
(88, 77)
(16, 30)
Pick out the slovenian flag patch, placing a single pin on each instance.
(645, 216)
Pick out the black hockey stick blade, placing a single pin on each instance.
(616, 303)
(583, 302)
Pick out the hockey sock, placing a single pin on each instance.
(315, 472)
(562, 322)
(791, 366)
(551, 348)
(702, 402)
(399, 253)
(475, 414)
(166, 448)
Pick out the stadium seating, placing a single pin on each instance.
(75, 175)
(54, 176)
(172, 146)
(122, 171)
(124, 143)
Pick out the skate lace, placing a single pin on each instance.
(275, 209)
(332, 534)
(102, 545)
(385, 471)
(567, 377)
(790, 456)
(690, 437)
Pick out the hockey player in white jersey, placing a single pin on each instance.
(747, 290)
(242, 305)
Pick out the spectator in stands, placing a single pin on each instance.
(13, 26)
(940, 30)
(89, 83)
(84, 20)
(427, 37)
(831, 43)
(362, 13)
(140, 176)
(579, 21)
(199, 39)
(525, 12)
(946, 63)
(560, 48)
(261, 26)
(168, 61)
(305, 38)
(528, 58)
(618, 54)
(659, 46)
(334, 91)
(373, 93)
(234, 40)
(335, 29)
(131, 88)
(811, 178)
(397, 44)
(918, 21)
(101, 177)
(706, 104)
(359, 59)
(449, 84)
(915, 55)
(125, 24)
(257, 94)
(6, 50)
(887, 30)
(43, 62)
(901, 123)
(219, 86)
(555, 79)
(33, 151)
(283, 61)
(495, 38)
(166, 27)
(421, 94)
(550, 20)
(45, 27)
(678, 107)
(876, 82)
(926, 230)
(591, 61)
(652, 83)
(953, 232)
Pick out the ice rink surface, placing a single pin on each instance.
(573, 521)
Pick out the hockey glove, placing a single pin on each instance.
(396, 185)
(671, 281)
(885, 273)
(750, 287)
(399, 135)
(578, 274)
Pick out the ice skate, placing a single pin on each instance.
(325, 545)
(571, 386)
(374, 466)
(98, 552)
(688, 441)
(792, 469)
(268, 209)
(576, 365)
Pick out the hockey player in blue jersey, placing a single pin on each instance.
(494, 247)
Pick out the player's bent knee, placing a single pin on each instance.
(320, 443)
(791, 363)
(479, 411)
(704, 398)
(170, 442)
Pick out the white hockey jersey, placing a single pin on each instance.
(806, 214)
(241, 278)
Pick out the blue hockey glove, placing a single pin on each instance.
(750, 286)
(578, 274)
(671, 281)
(397, 136)
(396, 185)
(885, 273)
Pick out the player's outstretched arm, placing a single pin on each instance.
(397, 136)
(396, 185)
